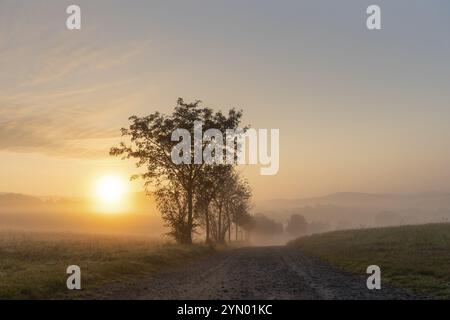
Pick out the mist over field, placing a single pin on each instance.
(353, 210)
(25, 212)
(350, 210)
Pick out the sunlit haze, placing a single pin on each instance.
(352, 112)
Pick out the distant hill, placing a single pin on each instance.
(15, 199)
(137, 202)
(429, 200)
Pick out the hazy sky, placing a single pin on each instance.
(357, 110)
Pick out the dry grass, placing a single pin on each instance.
(33, 265)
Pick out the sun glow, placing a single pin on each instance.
(109, 192)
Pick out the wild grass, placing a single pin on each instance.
(33, 265)
(411, 257)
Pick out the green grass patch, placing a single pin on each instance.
(33, 265)
(411, 257)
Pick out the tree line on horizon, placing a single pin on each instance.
(191, 197)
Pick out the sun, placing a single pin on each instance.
(110, 190)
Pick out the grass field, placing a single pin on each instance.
(33, 265)
(412, 257)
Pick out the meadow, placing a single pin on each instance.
(33, 264)
(411, 257)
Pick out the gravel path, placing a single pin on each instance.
(252, 273)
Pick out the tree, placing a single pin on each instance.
(265, 226)
(297, 225)
(206, 192)
(239, 205)
(174, 210)
(231, 201)
(175, 186)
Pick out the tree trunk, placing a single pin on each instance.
(207, 225)
(237, 229)
(220, 224)
(190, 214)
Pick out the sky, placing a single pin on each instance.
(357, 110)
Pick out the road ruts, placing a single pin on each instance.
(251, 273)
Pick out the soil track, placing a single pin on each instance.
(252, 273)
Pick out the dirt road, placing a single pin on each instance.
(253, 273)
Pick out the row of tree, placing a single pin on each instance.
(295, 226)
(191, 197)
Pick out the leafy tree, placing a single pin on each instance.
(239, 205)
(175, 186)
(230, 203)
(263, 225)
(206, 193)
(297, 225)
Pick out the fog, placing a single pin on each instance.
(351, 210)
(79, 215)
(271, 218)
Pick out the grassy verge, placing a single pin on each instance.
(412, 257)
(33, 265)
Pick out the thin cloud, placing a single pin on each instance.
(47, 111)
